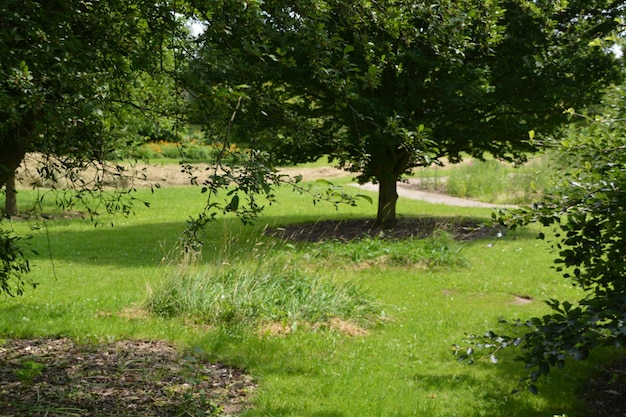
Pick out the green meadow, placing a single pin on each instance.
(403, 305)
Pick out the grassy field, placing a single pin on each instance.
(94, 283)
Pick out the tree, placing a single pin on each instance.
(587, 212)
(385, 86)
(10, 206)
(66, 69)
(65, 73)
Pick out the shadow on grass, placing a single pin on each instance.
(120, 246)
(139, 245)
(494, 396)
(558, 393)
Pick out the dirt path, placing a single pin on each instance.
(411, 190)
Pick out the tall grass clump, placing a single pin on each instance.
(477, 179)
(497, 182)
(241, 294)
(439, 250)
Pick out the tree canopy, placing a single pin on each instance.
(66, 66)
(384, 87)
(71, 75)
(381, 87)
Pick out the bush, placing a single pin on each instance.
(14, 265)
(191, 149)
(588, 214)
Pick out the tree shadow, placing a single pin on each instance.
(461, 228)
(557, 395)
(121, 246)
(148, 244)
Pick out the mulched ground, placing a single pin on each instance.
(462, 228)
(605, 393)
(57, 377)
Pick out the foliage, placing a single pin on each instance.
(242, 182)
(196, 402)
(13, 265)
(383, 87)
(79, 80)
(74, 96)
(589, 221)
(189, 148)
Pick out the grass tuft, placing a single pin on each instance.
(491, 180)
(225, 294)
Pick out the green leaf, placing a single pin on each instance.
(234, 203)
(365, 197)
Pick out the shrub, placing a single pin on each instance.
(587, 213)
(14, 266)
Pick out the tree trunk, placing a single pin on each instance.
(10, 160)
(387, 199)
(10, 204)
(14, 145)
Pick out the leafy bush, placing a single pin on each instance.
(14, 265)
(190, 149)
(588, 214)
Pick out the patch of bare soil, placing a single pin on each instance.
(57, 377)
(336, 324)
(417, 227)
(605, 393)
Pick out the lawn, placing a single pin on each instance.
(94, 282)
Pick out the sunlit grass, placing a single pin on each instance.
(94, 282)
(248, 295)
(491, 181)
(436, 251)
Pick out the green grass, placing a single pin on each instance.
(436, 251)
(248, 294)
(99, 278)
(491, 181)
